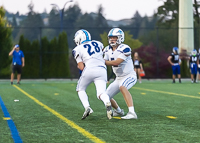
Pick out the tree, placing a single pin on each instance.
(6, 44)
(168, 13)
(154, 64)
(63, 59)
(31, 25)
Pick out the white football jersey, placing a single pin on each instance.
(123, 51)
(90, 53)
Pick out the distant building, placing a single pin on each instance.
(122, 22)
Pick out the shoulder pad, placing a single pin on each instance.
(125, 49)
(75, 52)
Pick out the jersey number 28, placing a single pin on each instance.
(90, 48)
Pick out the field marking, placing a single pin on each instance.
(69, 122)
(14, 132)
(171, 117)
(167, 92)
(117, 117)
(6, 118)
(143, 93)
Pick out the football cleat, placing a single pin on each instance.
(109, 110)
(87, 112)
(116, 113)
(130, 115)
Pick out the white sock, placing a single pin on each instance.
(84, 98)
(105, 98)
(131, 109)
(118, 109)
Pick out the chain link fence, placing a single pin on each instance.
(157, 44)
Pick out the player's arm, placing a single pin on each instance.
(141, 67)
(11, 52)
(81, 66)
(125, 52)
(169, 60)
(23, 62)
(179, 61)
(114, 62)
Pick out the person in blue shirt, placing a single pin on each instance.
(17, 63)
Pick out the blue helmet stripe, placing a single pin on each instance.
(87, 36)
(111, 32)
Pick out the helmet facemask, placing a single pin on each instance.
(111, 41)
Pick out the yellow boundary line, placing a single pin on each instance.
(70, 123)
(167, 92)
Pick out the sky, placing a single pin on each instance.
(113, 9)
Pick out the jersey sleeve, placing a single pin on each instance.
(22, 55)
(125, 51)
(76, 55)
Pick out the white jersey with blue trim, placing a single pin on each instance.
(90, 53)
(123, 51)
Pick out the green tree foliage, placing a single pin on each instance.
(133, 43)
(63, 59)
(48, 60)
(45, 57)
(168, 13)
(32, 57)
(71, 15)
(5, 43)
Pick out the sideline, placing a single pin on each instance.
(11, 124)
(70, 123)
(166, 92)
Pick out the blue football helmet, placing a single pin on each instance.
(118, 33)
(194, 52)
(82, 36)
(175, 50)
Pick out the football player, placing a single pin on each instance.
(89, 57)
(175, 62)
(118, 55)
(199, 63)
(193, 65)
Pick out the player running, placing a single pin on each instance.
(89, 57)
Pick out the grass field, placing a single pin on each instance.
(50, 112)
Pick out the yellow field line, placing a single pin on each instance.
(70, 123)
(166, 92)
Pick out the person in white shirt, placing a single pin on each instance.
(89, 57)
(118, 55)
